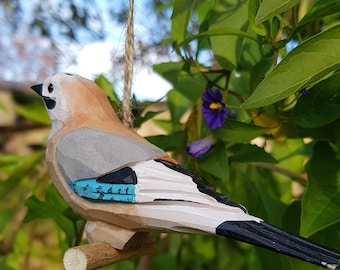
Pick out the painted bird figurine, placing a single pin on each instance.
(111, 175)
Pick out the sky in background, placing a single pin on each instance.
(96, 58)
(22, 61)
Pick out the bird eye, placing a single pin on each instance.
(50, 88)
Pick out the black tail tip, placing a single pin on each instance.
(272, 238)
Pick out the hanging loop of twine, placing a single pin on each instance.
(127, 117)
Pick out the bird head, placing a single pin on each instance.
(73, 99)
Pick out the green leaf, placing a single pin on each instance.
(189, 85)
(37, 209)
(228, 14)
(8, 159)
(3, 265)
(301, 265)
(53, 198)
(215, 162)
(169, 71)
(23, 168)
(178, 104)
(108, 89)
(171, 142)
(267, 259)
(320, 203)
(8, 163)
(259, 29)
(237, 132)
(54, 207)
(252, 52)
(306, 64)
(291, 218)
(139, 120)
(272, 206)
(259, 71)
(164, 261)
(164, 124)
(204, 246)
(202, 9)
(69, 228)
(334, 136)
(218, 32)
(34, 111)
(319, 10)
(250, 153)
(271, 8)
(180, 18)
(320, 106)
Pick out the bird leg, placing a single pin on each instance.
(117, 237)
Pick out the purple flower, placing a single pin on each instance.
(214, 110)
(198, 148)
(304, 92)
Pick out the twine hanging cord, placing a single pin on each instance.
(127, 117)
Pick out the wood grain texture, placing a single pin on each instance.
(98, 254)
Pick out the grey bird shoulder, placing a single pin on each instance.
(87, 153)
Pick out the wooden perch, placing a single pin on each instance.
(99, 254)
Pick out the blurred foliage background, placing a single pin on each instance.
(276, 65)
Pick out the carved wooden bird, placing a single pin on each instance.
(122, 184)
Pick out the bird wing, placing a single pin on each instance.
(160, 190)
(88, 153)
(148, 182)
(95, 165)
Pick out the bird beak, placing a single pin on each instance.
(38, 89)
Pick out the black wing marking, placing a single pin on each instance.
(123, 176)
(201, 186)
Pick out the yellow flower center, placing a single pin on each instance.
(215, 106)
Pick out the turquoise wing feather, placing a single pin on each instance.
(92, 189)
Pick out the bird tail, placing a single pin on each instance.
(270, 237)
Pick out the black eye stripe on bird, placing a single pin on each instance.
(49, 102)
(93, 158)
